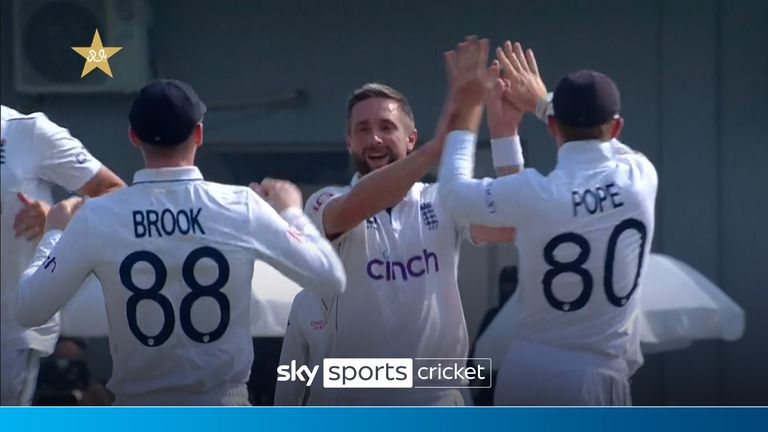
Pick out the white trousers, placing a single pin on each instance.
(18, 376)
(536, 374)
(231, 395)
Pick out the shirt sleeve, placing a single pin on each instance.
(292, 245)
(315, 209)
(63, 159)
(295, 348)
(58, 269)
(497, 202)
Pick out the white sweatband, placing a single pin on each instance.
(507, 151)
(544, 107)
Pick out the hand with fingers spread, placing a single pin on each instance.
(435, 145)
(467, 71)
(30, 220)
(63, 212)
(280, 194)
(526, 86)
(503, 116)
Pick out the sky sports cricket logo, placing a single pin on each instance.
(393, 373)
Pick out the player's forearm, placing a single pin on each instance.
(103, 182)
(468, 200)
(39, 296)
(315, 264)
(379, 190)
(622, 149)
(466, 118)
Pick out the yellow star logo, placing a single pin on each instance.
(96, 56)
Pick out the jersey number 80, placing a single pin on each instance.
(185, 311)
(575, 266)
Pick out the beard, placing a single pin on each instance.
(363, 167)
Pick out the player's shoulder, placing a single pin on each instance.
(306, 302)
(425, 191)
(332, 190)
(302, 298)
(98, 208)
(232, 198)
(322, 195)
(10, 114)
(226, 189)
(17, 121)
(636, 160)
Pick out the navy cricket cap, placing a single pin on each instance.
(585, 99)
(165, 112)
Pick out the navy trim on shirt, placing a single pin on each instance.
(168, 181)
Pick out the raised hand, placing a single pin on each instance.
(62, 213)
(503, 116)
(280, 194)
(467, 71)
(30, 220)
(526, 86)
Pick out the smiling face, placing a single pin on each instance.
(379, 133)
(379, 129)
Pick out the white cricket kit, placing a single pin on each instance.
(35, 154)
(402, 299)
(175, 255)
(584, 234)
(306, 342)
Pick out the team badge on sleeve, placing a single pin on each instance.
(81, 157)
(321, 199)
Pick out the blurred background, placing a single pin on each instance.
(276, 74)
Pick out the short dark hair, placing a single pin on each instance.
(572, 133)
(377, 90)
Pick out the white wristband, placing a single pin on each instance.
(544, 107)
(507, 151)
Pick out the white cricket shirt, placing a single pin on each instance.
(306, 342)
(35, 154)
(175, 256)
(583, 232)
(402, 299)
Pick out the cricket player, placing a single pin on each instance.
(584, 233)
(306, 342)
(35, 154)
(175, 256)
(400, 249)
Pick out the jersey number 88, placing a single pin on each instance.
(185, 311)
(576, 266)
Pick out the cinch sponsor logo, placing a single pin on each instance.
(415, 267)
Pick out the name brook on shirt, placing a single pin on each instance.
(147, 223)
